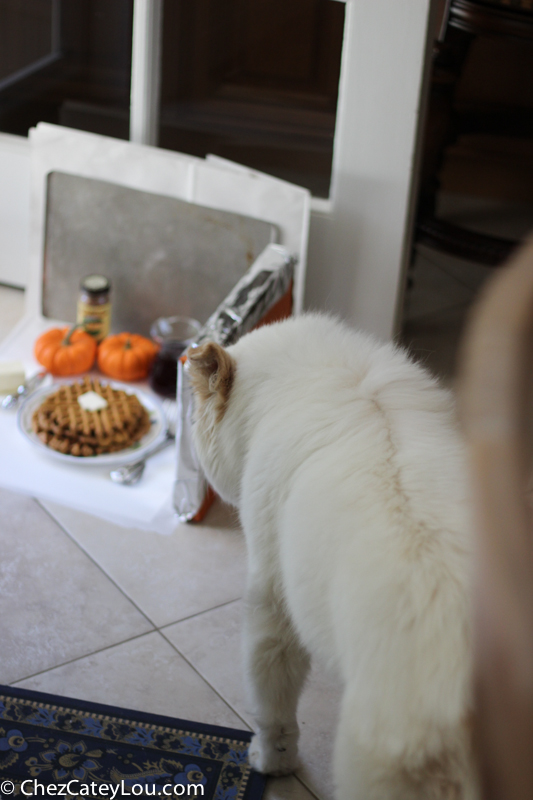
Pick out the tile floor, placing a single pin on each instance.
(436, 307)
(134, 619)
(443, 287)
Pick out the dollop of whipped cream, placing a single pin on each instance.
(91, 401)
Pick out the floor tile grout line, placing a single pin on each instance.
(450, 274)
(156, 629)
(155, 626)
(206, 681)
(427, 316)
(312, 792)
(99, 566)
(85, 655)
(430, 314)
(123, 641)
(199, 613)
(449, 277)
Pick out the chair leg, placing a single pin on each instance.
(441, 129)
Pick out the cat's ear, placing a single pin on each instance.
(212, 373)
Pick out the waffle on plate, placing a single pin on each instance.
(63, 424)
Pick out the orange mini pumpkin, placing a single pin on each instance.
(65, 351)
(126, 356)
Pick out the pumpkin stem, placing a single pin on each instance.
(127, 344)
(66, 340)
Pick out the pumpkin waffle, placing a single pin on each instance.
(62, 424)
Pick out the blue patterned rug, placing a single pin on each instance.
(84, 748)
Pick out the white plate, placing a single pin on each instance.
(133, 453)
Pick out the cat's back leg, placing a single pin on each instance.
(275, 667)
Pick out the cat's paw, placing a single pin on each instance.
(274, 754)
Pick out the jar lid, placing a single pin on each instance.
(95, 284)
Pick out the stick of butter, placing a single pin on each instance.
(11, 376)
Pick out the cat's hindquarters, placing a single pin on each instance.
(372, 769)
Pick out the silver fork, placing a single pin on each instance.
(131, 474)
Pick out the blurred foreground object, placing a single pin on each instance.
(495, 396)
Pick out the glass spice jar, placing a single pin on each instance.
(94, 306)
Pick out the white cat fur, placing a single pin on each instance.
(345, 463)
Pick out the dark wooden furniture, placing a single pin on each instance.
(463, 21)
(496, 403)
(254, 82)
(66, 62)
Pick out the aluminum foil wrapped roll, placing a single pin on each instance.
(267, 280)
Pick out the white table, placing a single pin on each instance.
(24, 468)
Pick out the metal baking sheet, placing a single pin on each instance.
(164, 256)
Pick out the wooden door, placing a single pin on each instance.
(66, 62)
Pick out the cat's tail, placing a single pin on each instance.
(365, 771)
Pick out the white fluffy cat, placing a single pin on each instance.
(344, 461)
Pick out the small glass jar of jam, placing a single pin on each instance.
(94, 306)
(173, 335)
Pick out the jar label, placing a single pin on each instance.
(95, 319)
